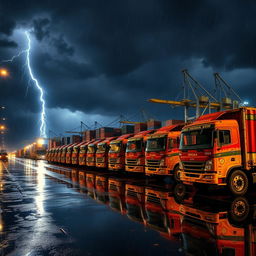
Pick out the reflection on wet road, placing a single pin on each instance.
(56, 210)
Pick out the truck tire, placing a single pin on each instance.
(175, 173)
(238, 183)
(179, 193)
(239, 211)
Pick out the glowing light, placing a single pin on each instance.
(40, 141)
(36, 83)
(4, 72)
(2, 127)
(246, 103)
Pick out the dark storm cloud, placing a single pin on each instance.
(109, 57)
(41, 28)
(62, 46)
(6, 24)
(7, 43)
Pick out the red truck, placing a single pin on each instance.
(75, 153)
(135, 202)
(102, 153)
(63, 153)
(91, 153)
(116, 155)
(69, 153)
(83, 152)
(162, 151)
(58, 154)
(135, 152)
(220, 149)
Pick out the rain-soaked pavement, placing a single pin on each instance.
(47, 209)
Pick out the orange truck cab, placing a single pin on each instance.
(135, 202)
(135, 152)
(58, 155)
(220, 149)
(116, 190)
(63, 153)
(91, 153)
(101, 188)
(90, 185)
(162, 151)
(116, 155)
(102, 153)
(207, 229)
(69, 153)
(83, 152)
(75, 153)
(156, 216)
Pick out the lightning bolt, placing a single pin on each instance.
(35, 81)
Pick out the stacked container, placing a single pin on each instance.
(126, 129)
(89, 135)
(172, 122)
(153, 124)
(140, 127)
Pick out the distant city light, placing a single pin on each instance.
(246, 103)
(40, 141)
(4, 72)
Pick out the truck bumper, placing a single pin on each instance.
(156, 171)
(90, 164)
(206, 178)
(134, 168)
(101, 165)
(115, 167)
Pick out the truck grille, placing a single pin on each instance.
(131, 161)
(112, 160)
(153, 163)
(90, 159)
(113, 187)
(131, 193)
(100, 160)
(194, 167)
(153, 199)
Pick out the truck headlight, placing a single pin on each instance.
(208, 165)
(162, 162)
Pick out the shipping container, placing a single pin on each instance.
(153, 124)
(172, 122)
(140, 127)
(126, 129)
(90, 135)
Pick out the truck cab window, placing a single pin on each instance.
(224, 137)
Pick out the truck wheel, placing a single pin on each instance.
(179, 192)
(238, 183)
(239, 210)
(176, 176)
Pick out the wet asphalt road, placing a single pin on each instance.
(44, 211)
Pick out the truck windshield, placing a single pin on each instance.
(197, 139)
(115, 147)
(156, 144)
(41, 152)
(134, 146)
(102, 148)
(91, 149)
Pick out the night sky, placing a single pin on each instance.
(97, 60)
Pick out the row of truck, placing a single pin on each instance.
(142, 152)
(216, 149)
(206, 224)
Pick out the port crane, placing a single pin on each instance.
(202, 98)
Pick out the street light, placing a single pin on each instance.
(4, 72)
